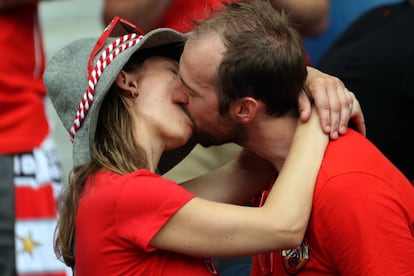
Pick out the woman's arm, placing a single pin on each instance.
(206, 228)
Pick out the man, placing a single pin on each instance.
(243, 76)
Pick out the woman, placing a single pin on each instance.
(119, 214)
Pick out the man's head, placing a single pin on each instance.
(246, 49)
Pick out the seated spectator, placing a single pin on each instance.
(374, 58)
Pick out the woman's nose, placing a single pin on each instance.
(180, 95)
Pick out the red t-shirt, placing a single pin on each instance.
(362, 220)
(23, 122)
(117, 218)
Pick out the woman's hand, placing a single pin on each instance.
(335, 104)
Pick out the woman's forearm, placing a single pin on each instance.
(290, 198)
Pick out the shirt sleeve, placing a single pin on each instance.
(365, 228)
(144, 205)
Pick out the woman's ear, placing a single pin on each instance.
(245, 109)
(128, 83)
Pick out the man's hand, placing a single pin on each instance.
(335, 104)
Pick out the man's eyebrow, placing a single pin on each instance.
(187, 85)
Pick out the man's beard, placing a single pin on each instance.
(221, 134)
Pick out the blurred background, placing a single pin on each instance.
(62, 22)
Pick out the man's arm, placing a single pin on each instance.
(310, 16)
(236, 182)
(143, 13)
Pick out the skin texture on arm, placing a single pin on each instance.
(194, 229)
(310, 16)
(143, 13)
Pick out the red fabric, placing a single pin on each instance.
(41, 197)
(116, 220)
(362, 220)
(182, 12)
(23, 123)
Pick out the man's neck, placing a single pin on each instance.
(271, 137)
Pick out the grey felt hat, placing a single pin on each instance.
(66, 79)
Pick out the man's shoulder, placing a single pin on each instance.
(351, 151)
(353, 161)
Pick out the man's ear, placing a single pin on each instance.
(245, 109)
(128, 83)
